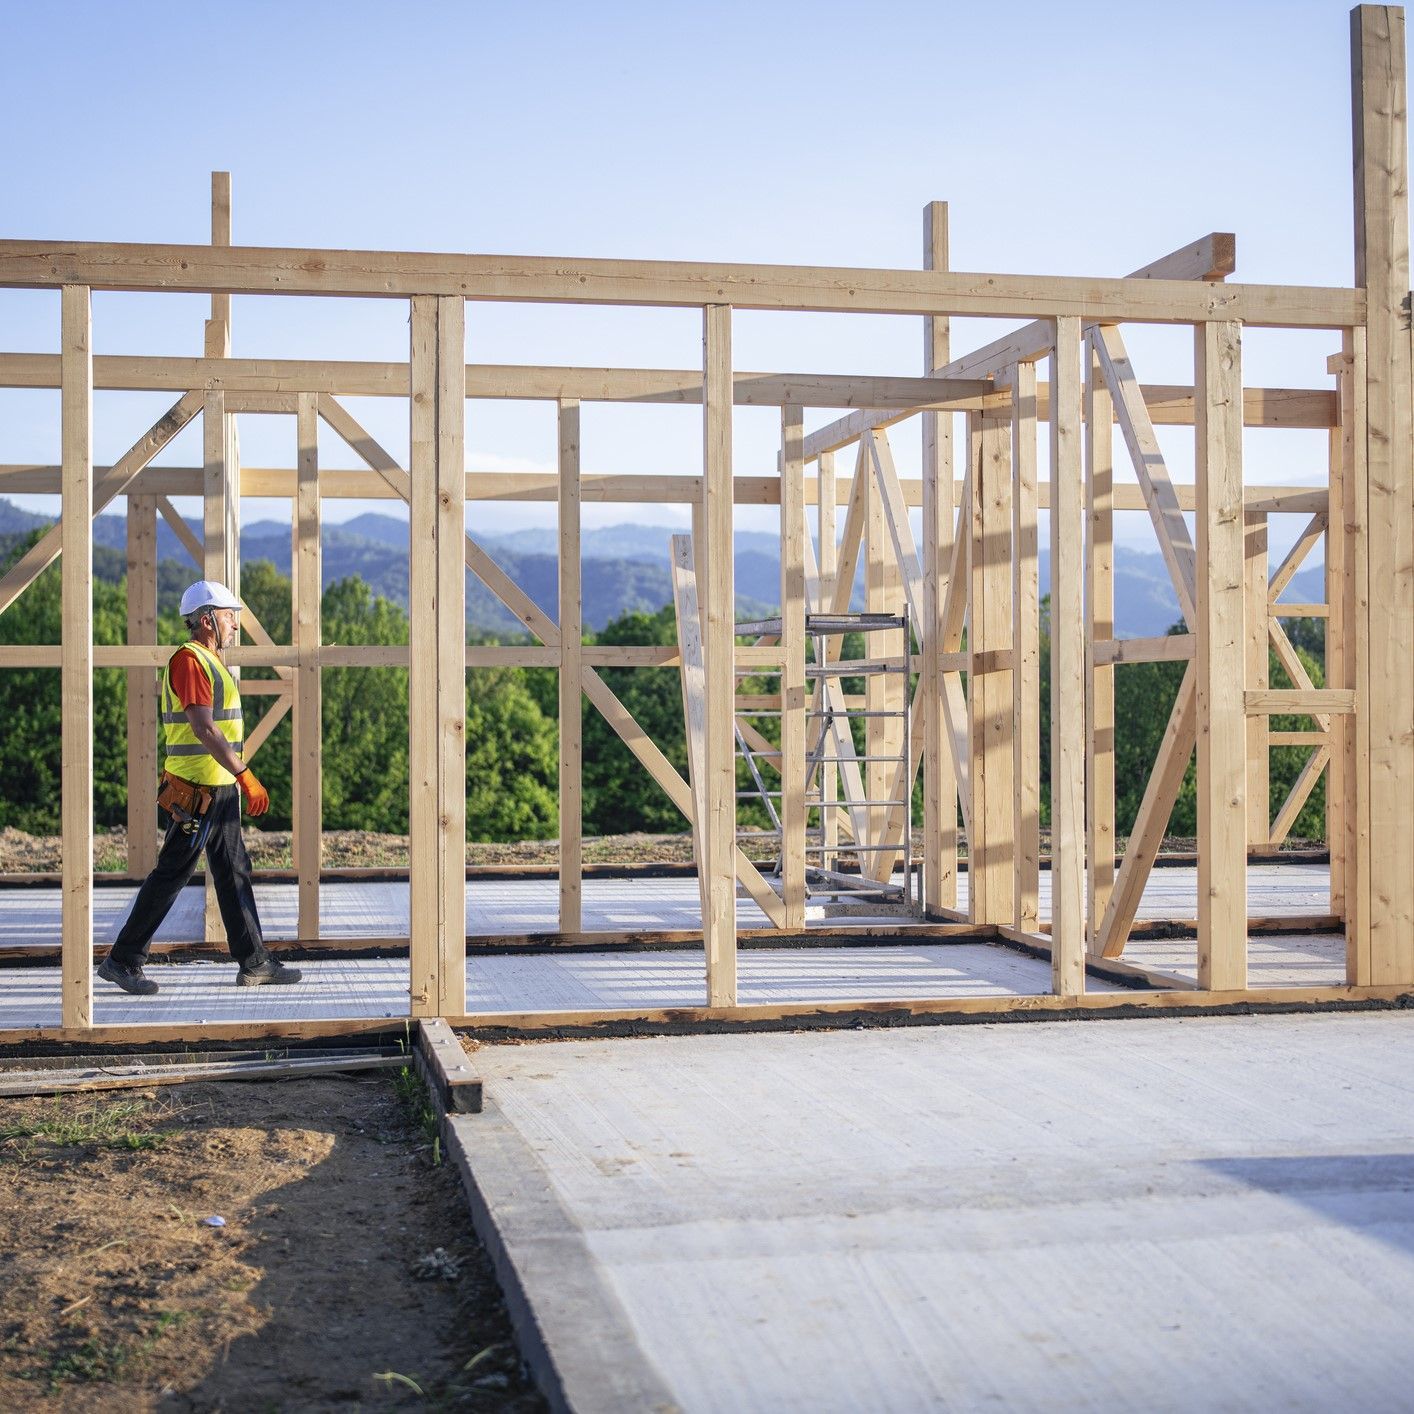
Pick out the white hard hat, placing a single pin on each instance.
(207, 591)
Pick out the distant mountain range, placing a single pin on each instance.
(625, 567)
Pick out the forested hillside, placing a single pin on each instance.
(512, 731)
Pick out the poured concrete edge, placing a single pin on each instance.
(572, 1329)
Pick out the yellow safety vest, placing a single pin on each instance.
(186, 756)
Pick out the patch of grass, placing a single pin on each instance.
(103, 1125)
(418, 1109)
(93, 1362)
(101, 1362)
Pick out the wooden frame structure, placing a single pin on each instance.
(970, 587)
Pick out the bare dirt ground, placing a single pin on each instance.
(271, 849)
(346, 1274)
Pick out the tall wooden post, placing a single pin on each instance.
(1385, 687)
(1067, 668)
(1259, 807)
(1354, 656)
(826, 492)
(437, 659)
(1338, 662)
(939, 772)
(1220, 660)
(308, 812)
(1026, 647)
(793, 666)
(76, 671)
(718, 609)
(990, 841)
(571, 673)
(142, 687)
(221, 491)
(1099, 624)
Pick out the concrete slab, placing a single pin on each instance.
(1211, 1213)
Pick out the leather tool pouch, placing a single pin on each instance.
(185, 801)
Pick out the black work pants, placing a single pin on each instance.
(220, 836)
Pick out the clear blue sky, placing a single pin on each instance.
(1082, 139)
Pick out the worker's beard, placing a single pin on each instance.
(231, 637)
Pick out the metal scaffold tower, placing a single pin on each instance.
(848, 832)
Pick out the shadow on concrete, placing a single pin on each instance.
(1372, 1193)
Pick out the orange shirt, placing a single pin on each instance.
(190, 684)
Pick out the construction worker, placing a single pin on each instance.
(203, 780)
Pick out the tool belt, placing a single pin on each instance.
(185, 801)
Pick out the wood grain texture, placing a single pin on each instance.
(716, 587)
(1220, 663)
(571, 771)
(1381, 179)
(1067, 669)
(308, 783)
(76, 672)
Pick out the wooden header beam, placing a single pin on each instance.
(556, 280)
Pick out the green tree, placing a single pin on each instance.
(619, 795)
(30, 747)
(365, 716)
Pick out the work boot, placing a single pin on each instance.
(267, 973)
(130, 979)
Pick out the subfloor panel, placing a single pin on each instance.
(1273, 959)
(30, 916)
(205, 992)
(1212, 1213)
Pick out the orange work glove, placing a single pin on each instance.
(257, 798)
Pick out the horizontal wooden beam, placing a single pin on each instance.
(1169, 404)
(1213, 257)
(531, 486)
(770, 1016)
(1280, 610)
(1298, 702)
(749, 659)
(559, 280)
(509, 381)
(1170, 648)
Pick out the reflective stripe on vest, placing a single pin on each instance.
(186, 756)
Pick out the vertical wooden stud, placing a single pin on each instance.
(793, 697)
(571, 660)
(939, 775)
(1337, 664)
(308, 814)
(76, 671)
(451, 652)
(220, 236)
(1099, 624)
(143, 765)
(1220, 660)
(1026, 646)
(1259, 809)
(1067, 522)
(716, 586)
(879, 688)
(990, 842)
(424, 952)
(1381, 169)
(1359, 906)
(221, 498)
(826, 493)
